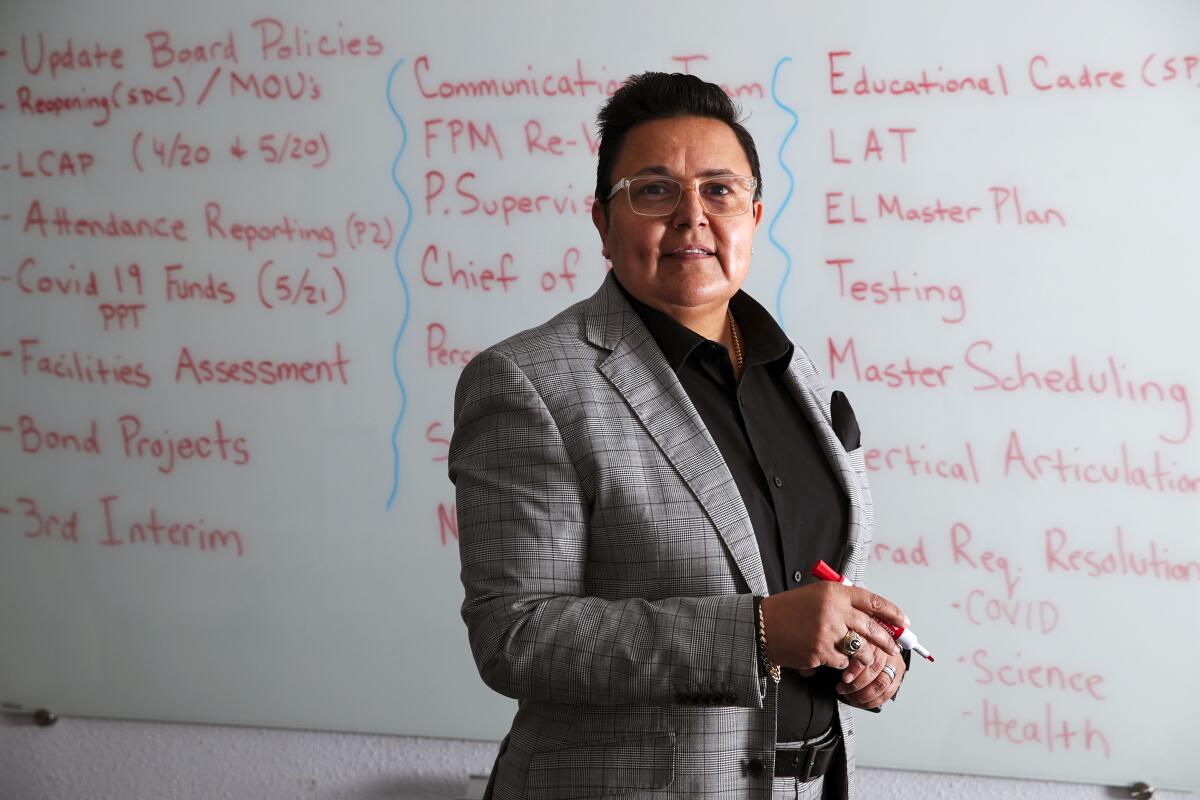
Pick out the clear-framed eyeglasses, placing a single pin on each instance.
(658, 195)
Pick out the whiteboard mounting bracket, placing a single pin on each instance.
(43, 717)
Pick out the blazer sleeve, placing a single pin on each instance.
(523, 542)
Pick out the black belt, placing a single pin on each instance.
(810, 761)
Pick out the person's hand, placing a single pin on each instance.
(805, 626)
(871, 686)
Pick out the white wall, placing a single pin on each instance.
(87, 759)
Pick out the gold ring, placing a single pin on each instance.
(851, 643)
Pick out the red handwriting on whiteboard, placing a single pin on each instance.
(68, 283)
(367, 232)
(565, 277)
(1005, 201)
(297, 85)
(872, 148)
(72, 283)
(1037, 675)
(1007, 209)
(439, 270)
(151, 529)
(165, 52)
(537, 141)
(122, 531)
(291, 148)
(263, 371)
(843, 80)
(1138, 559)
(835, 213)
(181, 287)
(983, 609)
(120, 316)
(288, 148)
(99, 105)
(897, 554)
(473, 137)
(897, 291)
(918, 463)
(77, 367)
(436, 435)
(68, 57)
(1157, 70)
(278, 41)
(890, 374)
(114, 315)
(467, 200)
(439, 354)
(447, 522)
(55, 164)
(1125, 468)
(37, 439)
(62, 526)
(168, 153)
(753, 89)
(983, 560)
(1044, 77)
(1110, 379)
(316, 287)
(114, 226)
(252, 233)
(167, 449)
(580, 83)
(1045, 730)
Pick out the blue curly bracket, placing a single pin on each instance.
(787, 273)
(403, 284)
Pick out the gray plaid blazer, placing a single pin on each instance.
(609, 565)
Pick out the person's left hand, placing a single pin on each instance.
(870, 686)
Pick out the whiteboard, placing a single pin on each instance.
(246, 258)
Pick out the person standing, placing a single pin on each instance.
(642, 485)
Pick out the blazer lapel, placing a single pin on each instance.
(805, 384)
(638, 370)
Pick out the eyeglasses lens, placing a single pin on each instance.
(723, 196)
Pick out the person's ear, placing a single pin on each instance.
(599, 218)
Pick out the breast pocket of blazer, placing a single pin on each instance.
(858, 463)
(600, 769)
(858, 460)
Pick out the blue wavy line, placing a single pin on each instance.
(404, 285)
(787, 273)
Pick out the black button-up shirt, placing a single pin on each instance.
(798, 508)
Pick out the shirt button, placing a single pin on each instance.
(797, 576)
(778, 482)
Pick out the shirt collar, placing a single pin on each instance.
(763, 341)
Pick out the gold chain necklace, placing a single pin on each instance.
(737, 340)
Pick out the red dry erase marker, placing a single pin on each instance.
(903, 636)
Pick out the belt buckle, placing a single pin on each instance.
(817, 750)
(806, 774)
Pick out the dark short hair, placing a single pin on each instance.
(659, 95)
